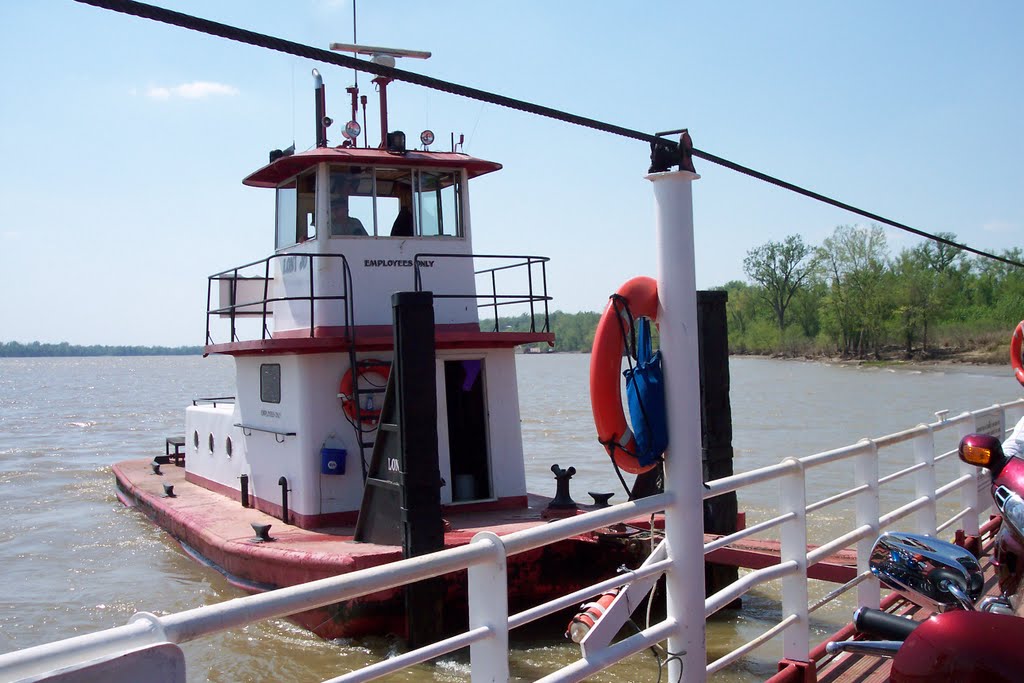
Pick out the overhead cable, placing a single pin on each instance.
(213, 28)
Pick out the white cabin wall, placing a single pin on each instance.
(268, 456)
(321, 417)
(506, 439)
(205, 420)
(379, 268)
(310, 407)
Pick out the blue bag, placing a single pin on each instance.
(645, 393)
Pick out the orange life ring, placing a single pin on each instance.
(1016, 360)
(346, 391)
(641, 294)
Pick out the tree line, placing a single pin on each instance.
(853, 298)
(36, 349)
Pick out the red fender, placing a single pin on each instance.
(346, 391)
(1016, 361)
(641, 293)
(966, 647)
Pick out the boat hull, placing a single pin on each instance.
(216, 531)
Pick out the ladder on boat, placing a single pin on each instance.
(365, 399)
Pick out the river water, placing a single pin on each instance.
(73, 560)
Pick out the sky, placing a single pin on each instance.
(127, 140)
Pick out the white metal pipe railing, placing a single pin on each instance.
(903, 511)
(829, 597)
(838, 498)
(953, 520)
(485, 557)
(867, 514)
(749, 531)
(646, 638)
(846, 540)
(752, 645)
(793, 548)
(737, 589)
(759, 476)
(834, 455)
(575, 598)
(906, 471)
(413, 657)
(559, 530)
(959, 482)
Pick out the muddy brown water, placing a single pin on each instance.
(73, 560)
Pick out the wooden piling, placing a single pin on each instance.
(716, 426)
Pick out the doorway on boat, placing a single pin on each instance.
(468, 454)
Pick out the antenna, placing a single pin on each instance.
(385, 56)
(355, 39)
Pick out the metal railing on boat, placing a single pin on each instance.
(485, 559)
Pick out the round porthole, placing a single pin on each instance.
(195, 439)
(227, 446)
(209, 442)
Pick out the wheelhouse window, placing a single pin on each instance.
(437, 204)
(296, 211)
(392, 202)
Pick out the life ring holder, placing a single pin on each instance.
(1016, 359)
(637, 298)
(347, 394)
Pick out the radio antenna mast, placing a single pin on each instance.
(355, 40)
(384, 56)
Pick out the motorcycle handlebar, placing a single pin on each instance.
(881, 624)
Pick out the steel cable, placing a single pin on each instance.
(213, 28)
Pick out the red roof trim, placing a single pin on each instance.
(275, 173)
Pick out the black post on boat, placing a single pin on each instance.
(283, 483)
(415, 394)
(716, 425)
(321, 109)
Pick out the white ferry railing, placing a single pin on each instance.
(869, 520)
(485, 559)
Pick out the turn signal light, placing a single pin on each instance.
(982, 450)
(975, 455)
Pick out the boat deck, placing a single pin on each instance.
(226, 518)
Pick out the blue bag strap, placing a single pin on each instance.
(643, 341)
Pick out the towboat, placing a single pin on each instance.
(313, 469)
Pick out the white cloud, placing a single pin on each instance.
(191, 91)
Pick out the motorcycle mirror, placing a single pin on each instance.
(982, 450)
(932, 573)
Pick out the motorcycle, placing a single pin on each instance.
(965, 640)
(986, 451)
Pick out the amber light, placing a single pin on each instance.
(975, 455)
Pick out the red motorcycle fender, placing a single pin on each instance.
(966, 647)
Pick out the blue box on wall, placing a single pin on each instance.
(332, 460)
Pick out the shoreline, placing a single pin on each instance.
(938, 357)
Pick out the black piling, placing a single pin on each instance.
(716, 425)
(423, 527)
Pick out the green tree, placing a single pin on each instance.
(855, 267)
(781, 269)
